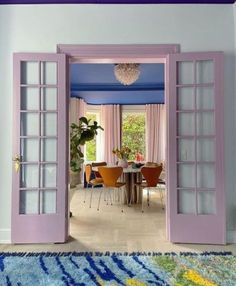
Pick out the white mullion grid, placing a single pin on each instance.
(179, 192)
(214, 99)
(39, 150)
(195, 134)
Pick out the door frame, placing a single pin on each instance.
(108, 54)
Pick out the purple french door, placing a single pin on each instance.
(195, 142)
(39, 196)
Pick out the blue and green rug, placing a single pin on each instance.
(129, 269)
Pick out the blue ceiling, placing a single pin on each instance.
(96, 84)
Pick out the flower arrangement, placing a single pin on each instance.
(122, 153)
(139, 157)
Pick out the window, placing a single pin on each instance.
(91, 146)
(133, 129)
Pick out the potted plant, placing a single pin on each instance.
(80, 133)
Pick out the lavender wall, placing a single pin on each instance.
(40, 28)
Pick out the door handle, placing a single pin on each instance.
(16, 159)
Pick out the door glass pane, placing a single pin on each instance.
(48, 201)
(186, 150)
(49, 99)
(28, 202)
(29, 72)
(205, 97)
(206, 202)
(29, 124)
(48, 72)
(29, 98)
(185, 72)
(185, 124)
(205, 71)
(48, 150)
(49, 176)
(29, 150)
(186, 176)
(185, 98)
(186, 202)
(205, 123)
(206, 149)
(206, 176)
(29, 176)
(49, 124)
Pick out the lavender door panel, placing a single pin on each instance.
(39, 197)
(195, 162)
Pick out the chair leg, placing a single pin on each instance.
(142, 200)
(137, 194)
(161, 197)
(126, 195)
(131, 197)
(109, 195)
(148, 197)
(85, 191)
(90, 204)
(121, 200)
(99, 198)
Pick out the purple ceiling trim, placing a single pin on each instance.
(117, 1)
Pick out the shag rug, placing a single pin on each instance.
(130, 269)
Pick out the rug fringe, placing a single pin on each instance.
(108, 253)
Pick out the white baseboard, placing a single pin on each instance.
(231, 236)
(5, 235)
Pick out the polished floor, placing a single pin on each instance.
(111, 230)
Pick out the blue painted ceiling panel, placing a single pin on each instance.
(121, 97)
(97, 84)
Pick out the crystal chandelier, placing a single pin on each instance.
(127, 73)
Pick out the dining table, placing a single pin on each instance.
(131, 176)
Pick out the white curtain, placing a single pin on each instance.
(77, 109)
(111, 136)
(155, 132)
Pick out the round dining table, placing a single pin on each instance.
(131, 176)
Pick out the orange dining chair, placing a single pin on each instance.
(93, 182)
(98, 164)
(151, 174)
(110, 176)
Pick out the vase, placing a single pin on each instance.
(123, 163)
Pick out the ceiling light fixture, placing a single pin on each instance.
(126, 73)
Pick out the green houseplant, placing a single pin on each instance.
(80, 133)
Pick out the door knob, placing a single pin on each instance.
(16, 159)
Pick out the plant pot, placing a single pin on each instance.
(75, 179)
(123, 163)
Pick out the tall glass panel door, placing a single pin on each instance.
(196, 134)
(39, 190)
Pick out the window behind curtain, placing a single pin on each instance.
(133, 132)
(91, 151)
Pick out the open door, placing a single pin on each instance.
(196, 152)
(40, 139)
